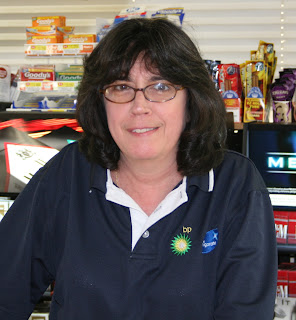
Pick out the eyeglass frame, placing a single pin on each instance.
(177, 88)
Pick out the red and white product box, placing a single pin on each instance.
(281, 220)
(292, 283)
(282, 284)
(292, 228)
(37, 73)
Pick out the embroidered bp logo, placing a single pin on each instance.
(181, 244)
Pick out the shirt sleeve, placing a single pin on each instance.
(27, 245)
(246, 280)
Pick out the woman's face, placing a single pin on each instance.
(145, 130)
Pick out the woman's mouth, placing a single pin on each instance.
(142, 130)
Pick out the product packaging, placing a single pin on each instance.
(282, 283)
(281, 220)
(259, 73)
(283, 92)
(49, 31)
(71, 73)
(37, 73)
(49, 21)
(175, 15)
(130, 13)
(255, 91)
(44, 39)
(80, 38)
(212, 66)
(5, 83)
(230, 87)
(292, 228)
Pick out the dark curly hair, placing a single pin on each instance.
(169, 50)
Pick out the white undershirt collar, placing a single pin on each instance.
(139, 219)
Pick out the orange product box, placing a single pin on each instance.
(48, 31)
(49, 21)
(44, 39)
(79, 38)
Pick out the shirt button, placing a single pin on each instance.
(145, 234)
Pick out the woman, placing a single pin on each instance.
(148, 217)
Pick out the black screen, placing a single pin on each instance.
(272, 147)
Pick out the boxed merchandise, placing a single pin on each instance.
(282, 283)
(5, 83)
(130, 13)
(37, 73)
(286, 283)
(49, 21)
(80, 38)
(292, 228)
(175, 15)
(44, 39)
(281, 220)
(72, 73)
(49, 31)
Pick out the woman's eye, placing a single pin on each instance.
(161, 87)
(121, 87)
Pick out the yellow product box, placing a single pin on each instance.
(44, 39)
(48, 31)
(80, 38)
(49, 21)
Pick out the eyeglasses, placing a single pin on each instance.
(156, 92)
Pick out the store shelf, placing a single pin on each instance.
(59, 49)
(36, 86)
(286, 248)
(9, 115)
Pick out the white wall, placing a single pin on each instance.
(223, 30)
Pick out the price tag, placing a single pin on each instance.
(30, 86)
(71, 48)
(65, 85)
(36, 50)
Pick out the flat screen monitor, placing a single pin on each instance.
(26, 145)
(272, 147)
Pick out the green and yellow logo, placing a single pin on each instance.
(181, 244)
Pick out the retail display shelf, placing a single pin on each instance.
(35, 86)
(59, 49)
(8, 115)
(287, 248)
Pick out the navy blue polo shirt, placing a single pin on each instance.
(213, 257)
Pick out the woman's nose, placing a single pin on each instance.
(140, 104)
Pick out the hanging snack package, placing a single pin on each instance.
(255, 91)
(283, 92)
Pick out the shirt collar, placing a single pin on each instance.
(205, 182)
(98, 178)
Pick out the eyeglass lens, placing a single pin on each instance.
(159, 92)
